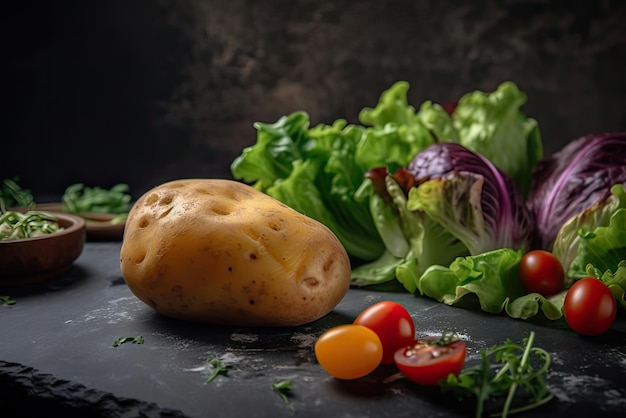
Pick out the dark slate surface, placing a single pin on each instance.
(56, 354)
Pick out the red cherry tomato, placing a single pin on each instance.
(349, 351)
(393, 325)
(541, 272)
(589, 307)
(427, 363)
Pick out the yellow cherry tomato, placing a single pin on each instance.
(349, 351)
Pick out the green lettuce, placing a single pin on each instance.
(493, 125)
(492, 278)
(596, 236)
(395, 131)
(322, 172)
(418, 242)
(319, 170)
(615, 280)
(595, 242)
(313, 170)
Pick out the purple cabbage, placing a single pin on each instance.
(574, 179)
(506, 220)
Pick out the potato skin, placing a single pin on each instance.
(219, 251)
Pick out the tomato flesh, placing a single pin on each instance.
(393, 325)
(427, 364)
(541, 272)
(589, 307)
(349, 351)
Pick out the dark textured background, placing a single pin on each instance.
(145, 91)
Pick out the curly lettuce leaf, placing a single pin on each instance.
(395, 134)
(493, 125)
(271, 159)
(438, 121)
(604, 247)
(615, 280)
(528, 306)
(391, 145)
(492, 278)
(596, 236)
(313, 170)
(393, 107)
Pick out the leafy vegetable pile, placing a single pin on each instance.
(447, 202)
(78, 199)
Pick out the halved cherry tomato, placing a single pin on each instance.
(541, 272)
(589, 307)
(393, 324)
(349, 351)
(430, 360)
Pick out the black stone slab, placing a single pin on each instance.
(57, 354)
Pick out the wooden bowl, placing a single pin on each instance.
(33, 260)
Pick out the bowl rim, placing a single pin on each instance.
(76, 223)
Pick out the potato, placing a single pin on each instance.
(221, 252)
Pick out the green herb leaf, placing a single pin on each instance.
(502, 371)
(283, 389)
(6, 300)
(12, 194)
(123, 340)
(218, 368)
(446, 338)
(78, 199)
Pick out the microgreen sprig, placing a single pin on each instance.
(514, 369)
(446, 338)
(7, 300)
(218, 368)
(283, 389)
(123, 340)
